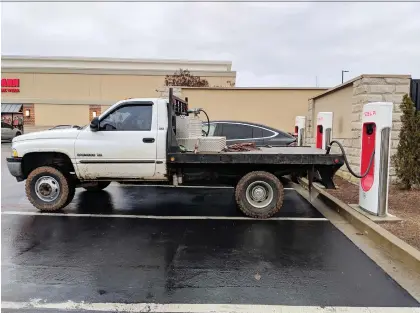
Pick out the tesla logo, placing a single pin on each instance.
(370, 113)
(10, 84)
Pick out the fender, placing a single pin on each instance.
(64, 146)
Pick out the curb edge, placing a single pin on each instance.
(395, 246)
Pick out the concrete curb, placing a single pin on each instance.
(396, 247)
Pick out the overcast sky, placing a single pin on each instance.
(270, 44)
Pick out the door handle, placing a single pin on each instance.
(148, 140)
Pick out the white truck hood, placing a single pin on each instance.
(67, 133)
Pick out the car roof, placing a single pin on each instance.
(250, 123)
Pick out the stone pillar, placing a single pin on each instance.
(309, 128)
(371, 88)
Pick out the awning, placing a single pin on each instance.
(11, 108)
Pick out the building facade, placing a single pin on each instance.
(46, 92)
(55, 91)
(346, 102)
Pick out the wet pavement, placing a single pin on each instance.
(115, 259)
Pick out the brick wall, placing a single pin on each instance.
(366, 88)
(31, 119)
(94, 108)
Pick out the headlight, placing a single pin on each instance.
(15, 153)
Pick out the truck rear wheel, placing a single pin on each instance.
(48, 189)
(98, 186)
(259, 194)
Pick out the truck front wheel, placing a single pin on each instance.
(48, 189)
(259, 194)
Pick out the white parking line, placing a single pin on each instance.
(197, 308)
(164, 217)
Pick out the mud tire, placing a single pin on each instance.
(72, 185)
(65, 194)
(99, 186)
(247, 207)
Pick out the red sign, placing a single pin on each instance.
(370, 113)
(10, 85)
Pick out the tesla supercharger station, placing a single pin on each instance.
(376, 137)
(324, 123)
(300, 129)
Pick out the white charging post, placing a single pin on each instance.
(300, 129)
(324, 123)
(376, 137)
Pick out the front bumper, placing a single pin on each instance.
(15, 167)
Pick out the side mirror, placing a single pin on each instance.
(94, 124)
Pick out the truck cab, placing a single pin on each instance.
(127, 141)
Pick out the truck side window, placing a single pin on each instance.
(129, 118)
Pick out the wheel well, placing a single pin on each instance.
(34, 160)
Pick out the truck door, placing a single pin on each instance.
(124, 146)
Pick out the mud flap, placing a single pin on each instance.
(326, 175)
(311, 174)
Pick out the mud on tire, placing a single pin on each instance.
(48, 189)
(259, 194)
(72, 188)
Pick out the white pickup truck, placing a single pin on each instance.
(135, 140)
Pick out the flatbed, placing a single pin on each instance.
(265, 155)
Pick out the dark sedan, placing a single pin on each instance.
(240, 132)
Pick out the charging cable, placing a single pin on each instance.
(347, 162)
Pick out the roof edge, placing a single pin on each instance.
(111, 60)
(351, 81)
(254, 88)
(89, 71)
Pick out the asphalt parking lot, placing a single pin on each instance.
(130, 246)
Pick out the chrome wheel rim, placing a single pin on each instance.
(47, 188)
(259, 194)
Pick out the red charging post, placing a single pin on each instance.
(324, 129)
(300, 129)
(376, 137)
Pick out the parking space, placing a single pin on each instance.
(134, 245)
